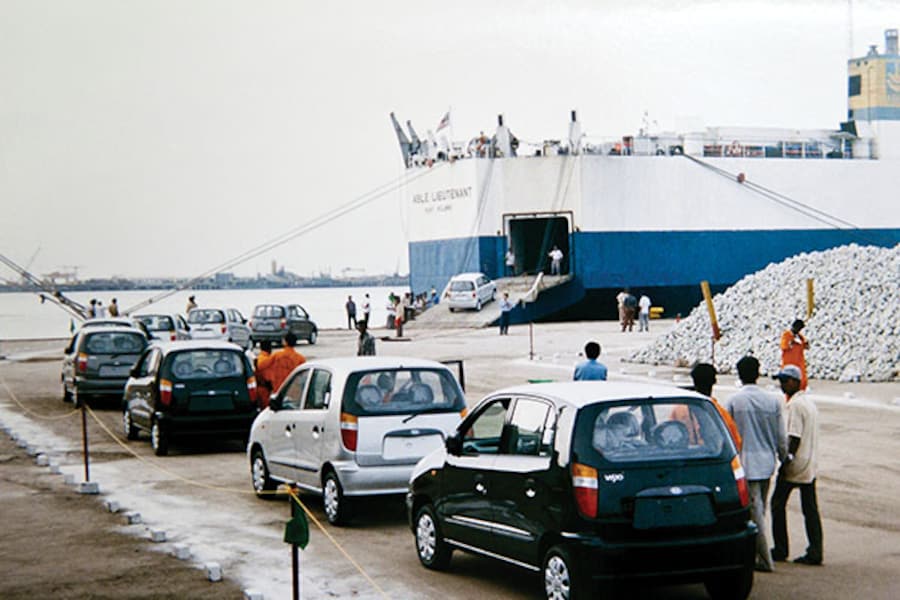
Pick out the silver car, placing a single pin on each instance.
(166, 327)
(470, 290)
(351, 427)
(219, 324)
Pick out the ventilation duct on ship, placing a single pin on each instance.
(574, 135)
(890, 42)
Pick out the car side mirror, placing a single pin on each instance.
(454, 444)
(275, 402)
(135, 371)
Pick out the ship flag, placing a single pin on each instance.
(445, 122)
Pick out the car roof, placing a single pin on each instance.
(351, 364)
(467, 276)
(112, 329)
(106, 321)
(178, 345)
(582, 393)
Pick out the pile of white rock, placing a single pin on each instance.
(853, 333)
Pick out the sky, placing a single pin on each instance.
(148, 139)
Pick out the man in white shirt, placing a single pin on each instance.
(644, 316)
(556, 256)
(510, 263)
(798, 470)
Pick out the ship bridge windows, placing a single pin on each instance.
(854, 85)
(532, 237)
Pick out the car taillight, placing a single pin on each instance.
(463, 413)
(741, 481)
(165, 392)
(284, 323)
(224, 329)
(250, 324)
(584, 482)
(172, 335)
(474, 295)
(82, 362)
(251, 389)
(349, 431)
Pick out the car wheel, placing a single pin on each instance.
(452, 309)
(478, 304)
(337, 510)
(433, 551)
(66, 395)
(158, 439)
(131, 432)
(731, 586)
(313, 336)
(493, 294)
(263, 485)
(562, 578)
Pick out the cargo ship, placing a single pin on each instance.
(656, 212)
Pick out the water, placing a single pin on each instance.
(22, 316)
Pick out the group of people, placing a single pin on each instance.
(629, 305)
(96, 310)
(272, 368)
(773, 437)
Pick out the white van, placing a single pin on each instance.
(470, 290)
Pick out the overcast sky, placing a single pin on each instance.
(146, 138)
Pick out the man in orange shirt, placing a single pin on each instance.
(704, 376)
(276, 367)
(793, 345)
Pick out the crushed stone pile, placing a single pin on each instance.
(853, 333)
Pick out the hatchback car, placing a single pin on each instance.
(272, 321)
(166, 327)
(351, 427)
(98, 359)
(219, 324)
(188, 389)
(588, 482)
(470, 290)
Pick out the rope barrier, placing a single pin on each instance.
(31, 412)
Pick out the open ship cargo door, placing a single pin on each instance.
(533, 236)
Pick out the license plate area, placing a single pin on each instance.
(655, 512)
(400, 447)
(212, 402)
(115, 370)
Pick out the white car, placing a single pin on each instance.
(351, 427)
(470, 290)
(219, 324)
(167, 327)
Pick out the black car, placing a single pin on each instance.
(190, 388)
(588, 483)
(98, 359)
(273, 321)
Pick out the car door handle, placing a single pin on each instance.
(530, 493)
(317, 430)
(481, 488)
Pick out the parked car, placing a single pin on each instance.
(186, 389)
(272, 321)
(590, 481)
(98, 359)
(352, 427)
(470, 290)
(219, 324)
(167, 327)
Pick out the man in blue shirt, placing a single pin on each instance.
(591, 370)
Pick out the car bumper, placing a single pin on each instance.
(208, 335)
(113, 386)
(373, 480)
(272, 336)
(234, 425)
(672, 559)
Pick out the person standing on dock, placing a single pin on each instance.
(644, 315)
(630, 304)
(280, 364)
(263, 365)
(620, 305)
(793, 345)
(510, 263)
(556, 256)
(367, 309)
(113, 308)
(191, 304)
(365, 344)
(591, 370)
(798, 470)
(760, 421)
(505, 308)
(351, 312)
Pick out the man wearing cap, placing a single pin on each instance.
(798, 470)
(760, 421)
(793, 345)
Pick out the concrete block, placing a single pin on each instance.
(181, 551)
(251, 594)
(31, 450)
(213, 571)
(69, 479)
(89, 487)
(42, 460)
(21, 443)
(112, 506)
(157, 535)
(54, 467)
(133, 518)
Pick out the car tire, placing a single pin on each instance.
(337, 509)
(493, 294)
(313, 336)
(563, 579)
(131, 432)
(478, 305)
(159, 440)
(263, 484)
(66, 395)
(452, 309)
(733, 586)
(433, 551)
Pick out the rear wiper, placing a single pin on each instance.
(436, 409)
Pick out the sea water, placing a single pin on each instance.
(23, 316)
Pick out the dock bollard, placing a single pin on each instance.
(181, 551)
(213, 571)
(157, 535)
(133, 518)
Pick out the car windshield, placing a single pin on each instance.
(402, 391)
(205, 364)
(114, 342)
(647, 429)
(157, 322)
(268, 311)
(206, 316)
(461, 286)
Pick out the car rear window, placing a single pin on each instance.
(203, 364)
(268, 311)
(157, 322)
(647, 430)
(114, 342)
(206, 316)
(402, 391)
(461, 286)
